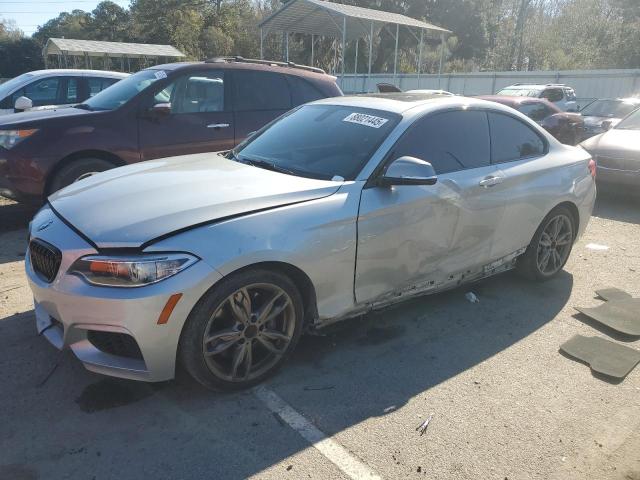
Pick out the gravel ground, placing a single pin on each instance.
(506, 403)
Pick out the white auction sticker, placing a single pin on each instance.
(364, 119)
(160, 74)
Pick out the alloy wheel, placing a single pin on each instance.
(554, 245)
(249, 332)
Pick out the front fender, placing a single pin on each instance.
(318, 237)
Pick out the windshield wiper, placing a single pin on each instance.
(257, 162)
(82, 106)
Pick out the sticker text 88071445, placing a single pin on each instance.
(364, 119)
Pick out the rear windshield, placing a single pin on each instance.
(519, 92)
(123, 91)
(320, 141)
(632, 122)
(609, 108)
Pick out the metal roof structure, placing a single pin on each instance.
(67, 46)
(348, 22)
(324, 18)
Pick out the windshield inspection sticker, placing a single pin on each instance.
(364, 119)
(160, 74)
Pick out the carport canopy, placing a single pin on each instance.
(328, 19)
(63, 48)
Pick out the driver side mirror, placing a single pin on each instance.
(409, 171)
(160, 109)
(606, 125)
(22, 104)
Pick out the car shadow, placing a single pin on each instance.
(343, 375)
(14, 216)
(618, 206)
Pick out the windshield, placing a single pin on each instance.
(123, 91)
(519, 92)
(632, 122)
(319, 141)
(7, 87)
(609, 108)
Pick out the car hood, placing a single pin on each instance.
(615, 142)
(36, 116)
(591, 120)
(133, 205)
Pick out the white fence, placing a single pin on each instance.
(589, 84)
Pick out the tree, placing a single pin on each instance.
(110, 22)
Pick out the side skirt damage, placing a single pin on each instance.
(503, 264)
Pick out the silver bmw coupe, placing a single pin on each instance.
(220, 261)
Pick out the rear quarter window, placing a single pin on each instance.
(512, 139)
(303, 91)
(260, 91)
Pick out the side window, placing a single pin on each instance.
(96, 85)
(513, 140)
(43, 92)
(553, 94)
(450, 141)
(535, 111)
(71, 94)
(260, 91)
(194, 93)
(570, 94)
(303, 91)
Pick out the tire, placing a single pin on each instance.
(246, 342)
(77, 170)
(531, 264)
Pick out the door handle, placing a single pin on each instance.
(218, 125)
(490, 181)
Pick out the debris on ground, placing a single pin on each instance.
(596, 246)
(313, 389)
(422, 428)
(472, 297)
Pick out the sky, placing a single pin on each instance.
(28, 14)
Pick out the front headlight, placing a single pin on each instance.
(131, 271)
(10, 138)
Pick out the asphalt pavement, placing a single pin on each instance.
(505, 404)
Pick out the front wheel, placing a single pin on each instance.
(77, 170)
(242, 330)
(550, 247)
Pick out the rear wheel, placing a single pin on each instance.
(550, 247)
(77, 170)
(242, 331)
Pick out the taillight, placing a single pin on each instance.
(593, 168)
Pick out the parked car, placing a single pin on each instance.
(430, 91)
(167, 110)
(601, 115)
(563, 96)
(221, 261)
(617, 153)
(47, 89)
(390, 88)
(566, 127)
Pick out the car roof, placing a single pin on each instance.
(80, 72)
(239, 65)
(625, 100)
(512, 100)
(535, 86)
(402, 102)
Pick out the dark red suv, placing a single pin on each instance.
(167, 110)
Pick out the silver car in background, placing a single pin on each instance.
(54, 88)
(617, 153)
(341, 206)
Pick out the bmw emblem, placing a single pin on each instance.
(44, 225)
